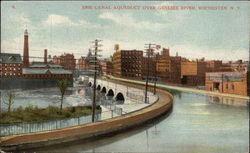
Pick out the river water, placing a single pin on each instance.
(197, 123)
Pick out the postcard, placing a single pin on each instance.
(124, 76)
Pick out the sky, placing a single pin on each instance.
(69, 27)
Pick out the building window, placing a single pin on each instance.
(232, 86)
(226, 86)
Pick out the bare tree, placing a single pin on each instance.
(62, 85)
(10, 100)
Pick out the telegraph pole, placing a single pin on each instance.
(148, 49)
(155, 74)
(222, 82)
(95, 65)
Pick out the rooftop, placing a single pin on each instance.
(46, 65)
(44, 71)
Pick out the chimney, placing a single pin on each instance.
(45, 56)
(26, 49)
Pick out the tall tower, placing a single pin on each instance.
(45, 56)
(26, 49)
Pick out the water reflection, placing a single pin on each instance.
(226, 100)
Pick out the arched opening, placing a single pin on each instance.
(98, 87)
(103, 90)
(110, 92)
(120, 98)
(90, 84)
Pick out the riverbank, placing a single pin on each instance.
(39, 139)
(184, 89)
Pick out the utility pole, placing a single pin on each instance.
(155, 75)
(222, 77)
(95, 65)
(148, 49)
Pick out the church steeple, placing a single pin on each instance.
(26, 49)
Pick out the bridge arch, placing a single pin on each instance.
(110, 93)
(104, 90)
(98, 87)
(120, 97)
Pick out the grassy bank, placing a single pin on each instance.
(35, 114)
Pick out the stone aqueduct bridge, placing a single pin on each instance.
(130, 95)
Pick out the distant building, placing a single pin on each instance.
(82, 64)
(128, 63)
(46, 71)
(148, 67)
(103, 67)
(10, 65)
(239, 66)
(66, 60)
(109, 68)
(218, 66)
(213, 66)
(175, 69)
(227, 82)
(193, 73)
(163, 65)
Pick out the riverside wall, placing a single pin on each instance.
(39, 139)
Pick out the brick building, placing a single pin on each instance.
(109, 68)
(66, 60)
(175, 70)
(163, 65)
(103, 67)
(218, 66)
(46, 71)
(239, 66)
(227, 82)
(82, 64)
(213, 66)
(148, 69)
(10, 65)
(193, 73)
(128, 63)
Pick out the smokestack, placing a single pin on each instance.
(45, 56)
(26, 49)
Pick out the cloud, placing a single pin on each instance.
(55, 19)
(193, 52)
(60, 20)
(128, 20)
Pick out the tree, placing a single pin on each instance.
(10, 100)
(62, 85)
